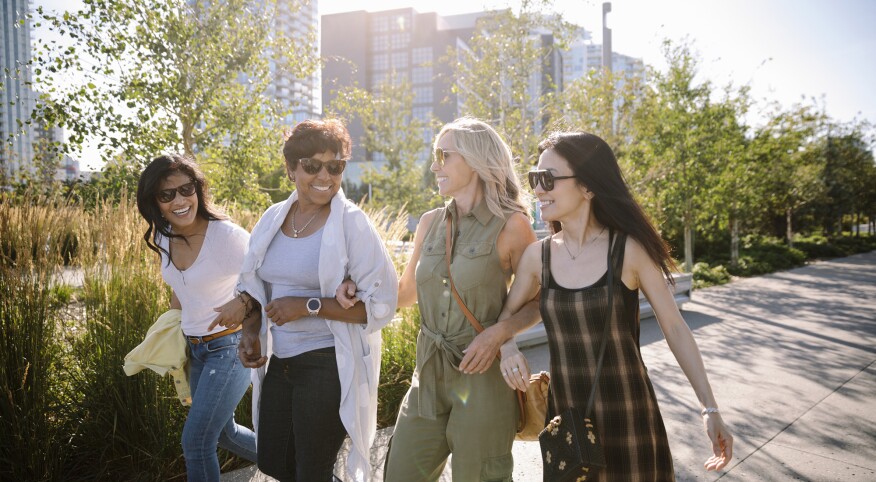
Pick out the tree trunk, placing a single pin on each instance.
(688, 248)
(734, 241)
(789, 233)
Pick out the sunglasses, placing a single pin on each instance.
(441, 155)
(168, 195)
(313, 166)
(545, 178)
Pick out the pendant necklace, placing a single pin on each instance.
(296, 232)
(583, 245)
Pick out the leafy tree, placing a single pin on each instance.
(396, 136)
(502, 75)
(675, 145)
(144, 77)
(602, 103)
(735, 197)
(792, 167)
(849, 174)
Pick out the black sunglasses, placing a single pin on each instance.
(546, 178)
(168, 195)
(313, 166)
(441, 155)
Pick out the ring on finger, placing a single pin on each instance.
(515, 369)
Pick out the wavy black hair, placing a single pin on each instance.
(150, 179)
(595, 167)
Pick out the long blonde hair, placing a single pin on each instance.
(490, 157)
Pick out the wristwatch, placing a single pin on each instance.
(313, 306)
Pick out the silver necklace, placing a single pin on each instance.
(583, 245)
(296, 232)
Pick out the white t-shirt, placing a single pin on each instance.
(210, 281)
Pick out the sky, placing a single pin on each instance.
(785, 50)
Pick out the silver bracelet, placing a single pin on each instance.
(708, 410)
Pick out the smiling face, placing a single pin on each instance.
(182, 211)
(454, 176)
(567, 196)
(316, 189)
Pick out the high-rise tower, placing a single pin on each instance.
(16, 96)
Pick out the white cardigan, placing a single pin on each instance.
(350, 247)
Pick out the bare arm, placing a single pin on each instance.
(290, 308)
(407, 284)
(649, 278)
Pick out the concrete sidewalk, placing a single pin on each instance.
(791, 360)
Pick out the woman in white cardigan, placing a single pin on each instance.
(317, 363)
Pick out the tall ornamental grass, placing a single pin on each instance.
(67, 410)
(34, 400)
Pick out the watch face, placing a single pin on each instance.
(313, 304)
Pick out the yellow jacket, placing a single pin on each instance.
(164, 351)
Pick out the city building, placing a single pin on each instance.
(303, 95)
(364, 48)
(16, 96)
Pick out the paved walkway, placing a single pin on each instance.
(791, 360)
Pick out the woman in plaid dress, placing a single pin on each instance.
(583, 196)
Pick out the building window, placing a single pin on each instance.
(380, 62)
(380, 24)
(422, 95)
(400, 40)
(401, 23)
(423, 113)
(421, 55)
(421, 75)
(381, 42)
(400, 60)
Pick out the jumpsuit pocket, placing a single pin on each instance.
(431, 262)
(497, 469)
(470, 266)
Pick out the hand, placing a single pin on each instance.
(285, 309)
(346, 294)
(515, 368)
(250, 350)
(230, 314)
(722, 442)
(481, 352)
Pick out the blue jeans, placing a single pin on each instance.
(218, 382)
(300, 429)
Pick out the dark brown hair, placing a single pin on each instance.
(311, 137)
(596, 168)
(150, 179)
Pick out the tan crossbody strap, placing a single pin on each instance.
(468, 314)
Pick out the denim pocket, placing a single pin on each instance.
(222, 343)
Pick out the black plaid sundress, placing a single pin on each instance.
(625, 409)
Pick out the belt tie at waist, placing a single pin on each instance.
(428, 345)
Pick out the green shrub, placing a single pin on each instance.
(705, 275)
(760, 255)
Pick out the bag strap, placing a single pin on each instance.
(605, 330)
(468, 314)
(521, 397)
